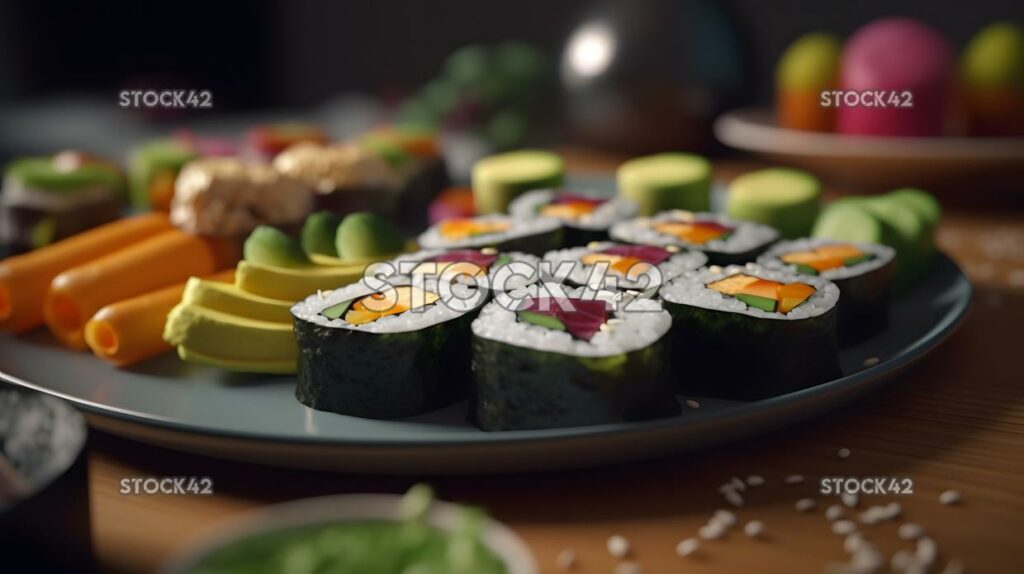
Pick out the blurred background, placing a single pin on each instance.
(61, 64)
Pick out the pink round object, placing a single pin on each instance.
(901, 60)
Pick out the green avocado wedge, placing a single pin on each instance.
(270, 246)
(318, 234)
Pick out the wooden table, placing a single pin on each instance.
(954, 422)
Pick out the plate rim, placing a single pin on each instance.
(754, 129)
(920, 347)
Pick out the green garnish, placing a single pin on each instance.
(541, 320)
(502, 260)
(859, 259)
(806, 269)
(338, 310)
(762, 303)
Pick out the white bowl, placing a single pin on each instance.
(343, 508)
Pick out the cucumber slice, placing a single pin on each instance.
(849, 220)
(500, 178)
(921, 202)
(757, 302)
(541, 320)
(908, 234)
(786, 199)
(666, 181)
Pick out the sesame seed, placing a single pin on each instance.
(687, 547)
(902, 560)
(618, 546)
(628, 568)
(927, 550)
(954, 567)
(672, 248)
(755, 480)
(844, 453)
(910, 531)
(714, 269)
(871, 361)
(805, 504)
(794, 479)
(853, 542)
(754, 528)
(488, 251)
(566, 559)
(843, 527)
(734, 498)
(692, 404)
(724, 517)
(949, 497)
(711, 531)
(849, 499)
(834, 512)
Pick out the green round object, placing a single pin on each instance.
(666, 181)
(787, 199)
(848, 220)
(500, 178)
(363, 235)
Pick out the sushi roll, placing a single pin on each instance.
(724, 240)
(498, 179)
(482, 268)
(535, 236)
(628, 266)
(152, 170)
(863, 272)
(388, 352)
(586, 216)
(426, 173)
(46, 199)
(578, 358)
(745, 332)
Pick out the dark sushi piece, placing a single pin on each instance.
(586, 216)
(46, 199)
(385, 353)
(535, 236)
(747, 333)
(724, 240)
(264, 142)
(485, 268)
(550, 356)
(864, 273)
(393, 176)
(608, 265)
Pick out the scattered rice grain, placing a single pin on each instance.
(949, 497)
(843, 527)
(566, 559)
(794, 479)
(687, 547)
(618, 546)
(805, 504)
(754, 528)
(910, 531)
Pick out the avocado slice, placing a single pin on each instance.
(230, 299)
(271, 246)
(293, 284)
(762, 303)
(541, 320)
(666, 181)
(363, 235)
(849, 220)
(318, 233)
(500, 178)
(229, 338)
(921, 202)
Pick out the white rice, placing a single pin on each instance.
(461, 300)
(674, 266)
(614, 210)
(883, 254)
(494, 280)
(691, 289)
(518, 227)
(634, 323)
(746, 235)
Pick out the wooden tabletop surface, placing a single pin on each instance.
(954, 422)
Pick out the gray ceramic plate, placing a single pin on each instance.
(167, 402)
(204, 410)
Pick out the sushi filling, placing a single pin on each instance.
(571, 207)
(580, 318)
(764, 294)
(369, 308)
(826, 257)
(694, 232)
(458, 229)
(628, 260)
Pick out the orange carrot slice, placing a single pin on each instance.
(131, 330)
(76, 294)
(24, 279)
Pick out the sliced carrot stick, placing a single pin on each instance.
(132, 330)
(24, 279)
(76, 294)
